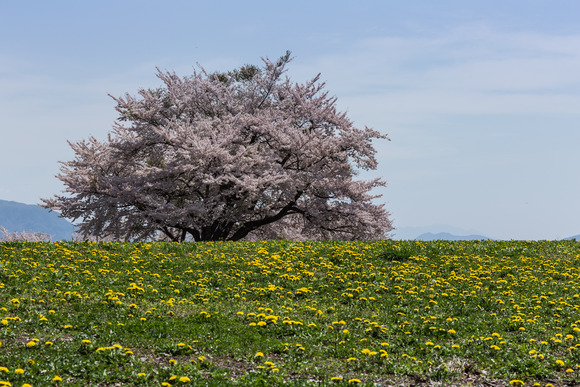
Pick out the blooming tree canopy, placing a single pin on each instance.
(246, 154)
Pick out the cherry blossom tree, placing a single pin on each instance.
(247, 154)
(29, 236)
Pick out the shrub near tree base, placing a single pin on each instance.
(226, 156)
(30, 236)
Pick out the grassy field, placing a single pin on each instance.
(296, 313)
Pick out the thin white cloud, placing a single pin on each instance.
(465, 71)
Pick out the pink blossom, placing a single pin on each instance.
(226, 156)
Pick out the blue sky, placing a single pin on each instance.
(481, 99)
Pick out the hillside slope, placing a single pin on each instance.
(18, 217)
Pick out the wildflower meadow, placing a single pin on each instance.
(290, 313)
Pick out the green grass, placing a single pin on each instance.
(290, 313)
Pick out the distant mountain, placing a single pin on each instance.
(19, 217)
(409, 233)
(577, 237)
(445, 236)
